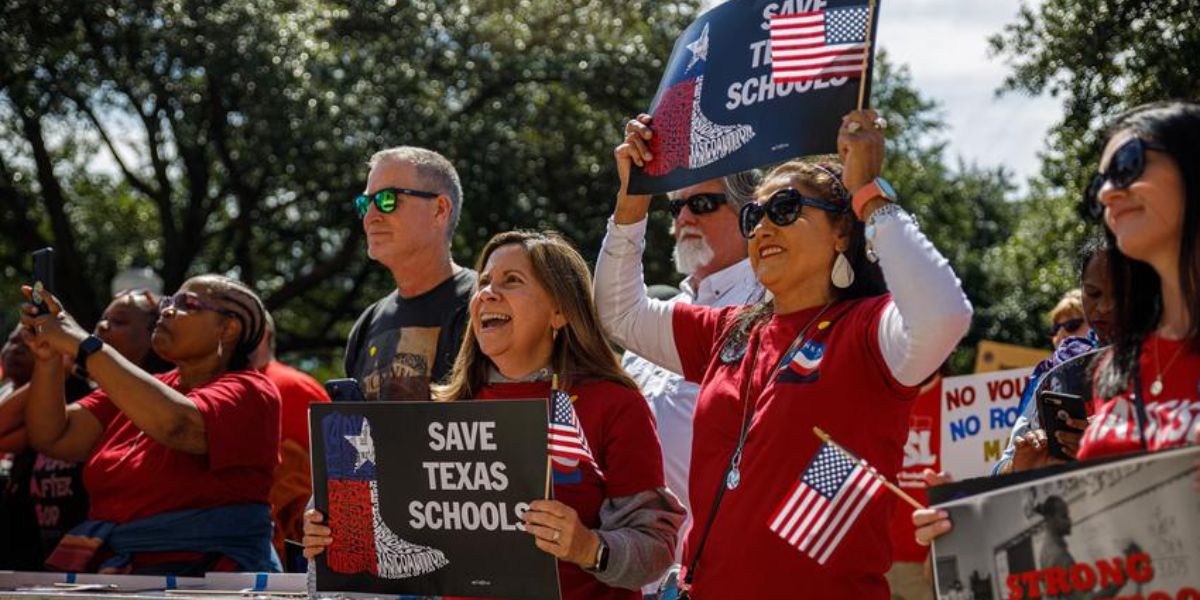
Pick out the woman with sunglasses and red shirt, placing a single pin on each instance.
(1147, 385)
(831, 348)
(178, 466)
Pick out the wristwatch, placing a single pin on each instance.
(601, 558)
(89, 346)
(878, 188)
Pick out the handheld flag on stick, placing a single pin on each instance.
(850, 455)
(567, 444)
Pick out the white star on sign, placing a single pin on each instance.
(699, 48)
(363, 444)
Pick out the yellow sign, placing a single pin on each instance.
(997, 356)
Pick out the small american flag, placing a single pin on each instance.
(567, 444)
(823, 43)
(819, 510)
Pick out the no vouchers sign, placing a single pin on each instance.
(426, 498)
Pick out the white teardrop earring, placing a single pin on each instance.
(220, 348)
(842, 275)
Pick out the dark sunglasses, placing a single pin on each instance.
(1125, 167)
(783, 207)
(189, 303)
(699, 204)
(1068, 325)
(386, 199)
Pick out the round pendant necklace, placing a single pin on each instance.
(733, 475)
(1156, 387)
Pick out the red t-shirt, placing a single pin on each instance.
(297, 390)
(920, 453)
(621, 434)
(130, 476)
(1171, 416)
(842, 385)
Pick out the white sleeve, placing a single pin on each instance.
(633, 319)
(929, 313)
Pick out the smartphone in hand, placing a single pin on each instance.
(1049, 405)
(43, 277)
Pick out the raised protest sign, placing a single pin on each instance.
(1125, 528)
(977, 414)
(755, 82)
(426, 498)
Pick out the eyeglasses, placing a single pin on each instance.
(1125, 167)
(699, 204)
(1068, 325)
(783, 207)
(189, 303)
(385, 200)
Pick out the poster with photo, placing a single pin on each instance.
(426, 498)
(1122, 528)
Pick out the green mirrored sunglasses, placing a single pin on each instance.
(385, 200)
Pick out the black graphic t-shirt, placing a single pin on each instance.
(400, 345)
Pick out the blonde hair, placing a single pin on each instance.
(1069, 307)
(580, 351)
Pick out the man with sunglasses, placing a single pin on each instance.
(711, 255)
(409, 338)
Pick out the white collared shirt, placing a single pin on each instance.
(671, 398)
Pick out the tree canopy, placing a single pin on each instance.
(230, 135)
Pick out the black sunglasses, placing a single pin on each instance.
(783, 207)
(699, 204)
(1125, 167)
(385, 200)
(1068, 325)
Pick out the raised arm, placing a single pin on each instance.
(634, 320)
(929, 313)
(51, 427)
(164, 414)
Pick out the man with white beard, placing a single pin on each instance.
(711, 252)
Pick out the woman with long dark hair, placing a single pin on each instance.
(830, 348)
(1147, 190)
(613, 524)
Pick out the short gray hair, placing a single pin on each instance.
(739, 188)
(434, 170)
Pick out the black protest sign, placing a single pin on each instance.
(426, 498)
(1123, 527)
(724, 106)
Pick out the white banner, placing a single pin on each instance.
(977, 414)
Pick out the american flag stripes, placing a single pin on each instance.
(823, 43)
(567, 444)
(818, 511)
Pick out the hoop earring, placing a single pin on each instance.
(842, 275)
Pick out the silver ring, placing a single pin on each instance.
(854, 126)
(556, 534)
(881, 123)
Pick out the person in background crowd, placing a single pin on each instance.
(1148, 191)
(1066, 318)
(408, 338)
(830, 349)
(18, 524)
(612, 526)
(55, 487)
(712, 255)
(292, 485)
(192, 450)
(1024, 450)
